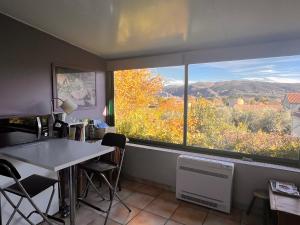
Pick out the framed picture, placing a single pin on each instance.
(76, 84)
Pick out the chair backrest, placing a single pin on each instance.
(8, 170)
(114, 140)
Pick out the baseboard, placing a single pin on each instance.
(148, 182)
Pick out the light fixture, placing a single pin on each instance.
(68, 106)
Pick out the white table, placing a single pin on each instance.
(58, 154)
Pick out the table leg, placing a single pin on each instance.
(72, 194)
(0, 211)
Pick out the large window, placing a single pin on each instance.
(145, 109)
(247, 106)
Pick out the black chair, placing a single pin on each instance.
(27, 189)
(99, 167)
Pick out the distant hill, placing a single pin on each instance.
(234, 89)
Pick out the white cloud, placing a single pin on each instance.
(284, 80)
(274, 79)
(286, 74)
(168, 82)
(173, 82)
(255, 79)
(266, 71)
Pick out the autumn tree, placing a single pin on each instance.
(140, 110)
(135, 89)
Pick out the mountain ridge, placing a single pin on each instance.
(235, 88)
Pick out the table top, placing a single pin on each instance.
(56, 154)
(284, 203)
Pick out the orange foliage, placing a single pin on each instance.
(140, 110)
(135, 88)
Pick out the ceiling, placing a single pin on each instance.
(126, 28)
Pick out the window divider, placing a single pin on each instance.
(185, 103)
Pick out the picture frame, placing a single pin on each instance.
(77, 84)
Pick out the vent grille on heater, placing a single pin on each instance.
(209, 173)
(201, 201)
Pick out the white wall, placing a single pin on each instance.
(159, 165)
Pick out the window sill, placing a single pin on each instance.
(226, 159)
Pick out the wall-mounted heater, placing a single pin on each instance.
(205, 182)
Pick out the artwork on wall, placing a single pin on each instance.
(76, 84)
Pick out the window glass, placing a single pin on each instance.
(149, 103)
(247, 106)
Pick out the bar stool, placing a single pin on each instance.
(264, 196)
(98, 167)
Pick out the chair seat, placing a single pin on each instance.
(98, 166)
(33, 185)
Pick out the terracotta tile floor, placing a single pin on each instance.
(154, 206)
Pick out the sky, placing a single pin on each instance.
(277, 69)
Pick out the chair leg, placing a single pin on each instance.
(87, 186)
(48, 207)
(50, 200)
(119, 183)
(114, 193)
(114, 189)
(56, 219)
(14, 206)
(110, 173)
(251, 205)
(15, 210)
(34, 205)
(92, 206)
(90, 183)
(119, 186)
(266, 212)
(93, 185)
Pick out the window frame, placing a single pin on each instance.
(214, 152)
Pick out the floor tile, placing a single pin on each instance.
(99, 203)
(125, 192)
(100, 220)
(131, 185)
(251, 219)
(171, 222)
(235, 214)
(162, 207)
(194, 206)
(139, 200)
(149, 190)
(121, 215)
(189, 215)
(92, 194)
(168, 195)
(217, 220)
(84, 215)
(145, 218)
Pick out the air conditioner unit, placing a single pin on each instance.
(205, 182)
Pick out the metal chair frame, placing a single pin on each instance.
(112, 189)
(36, 210)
